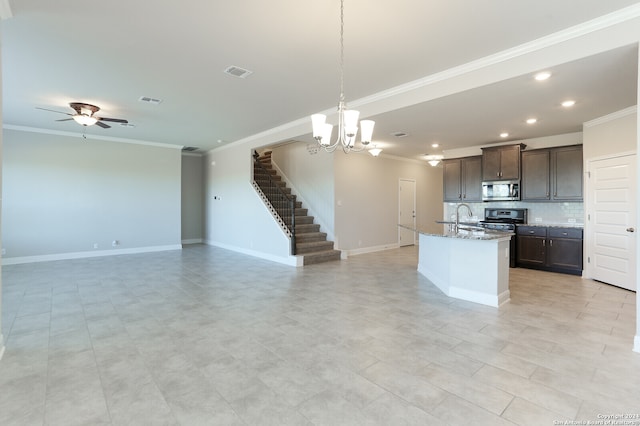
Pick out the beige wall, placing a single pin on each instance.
(613, 134)
(367, 197)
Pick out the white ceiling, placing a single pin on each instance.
(112, 53)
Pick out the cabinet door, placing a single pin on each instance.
(566, 164)
(535, 175)
(490, 164)
(565, 254)
(452, 189)
(510, 162)
(531, 251)
(472, 179)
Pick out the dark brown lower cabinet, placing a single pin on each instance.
(549, 248)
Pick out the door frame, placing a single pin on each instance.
(413, 181)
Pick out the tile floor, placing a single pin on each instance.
(205, 336)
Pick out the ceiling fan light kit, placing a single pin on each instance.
(85, 115)
(347, 119)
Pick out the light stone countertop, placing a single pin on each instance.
(467, 234)
(553, 225)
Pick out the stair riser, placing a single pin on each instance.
(303, 229)
(324, 246)
(321, 258)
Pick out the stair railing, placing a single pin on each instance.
(282, 205)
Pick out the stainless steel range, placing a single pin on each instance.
(505, 220)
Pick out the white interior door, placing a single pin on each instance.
(611, 217)
(407, 212)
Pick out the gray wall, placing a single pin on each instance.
(1, 150)
(192, 199)
(64, 194)
(236, 217)
(309, 174)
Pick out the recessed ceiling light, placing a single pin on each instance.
(541, 76)
(504, 135)
(568, 103)
(435, 145)
(532, 121)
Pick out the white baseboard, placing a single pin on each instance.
(86, 254)
(636, 344)
(364, 250)
(289, 260)
(192, 241)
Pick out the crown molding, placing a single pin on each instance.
(92, 137)
(603, 22)
(610, 117)
(588, 27)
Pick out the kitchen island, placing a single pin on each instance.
(468, 265)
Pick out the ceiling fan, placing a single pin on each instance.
(85, 115)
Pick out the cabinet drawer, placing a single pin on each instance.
(534, 231)
(565, 233)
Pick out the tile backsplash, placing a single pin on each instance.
(548, 213)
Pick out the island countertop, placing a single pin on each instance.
(467, 234)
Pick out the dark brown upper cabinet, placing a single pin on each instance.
(501, 162)
(553, 174)
(462, 179)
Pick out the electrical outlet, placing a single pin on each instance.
(95, 245)
(115, 243)
(538, 219)
(572, 220)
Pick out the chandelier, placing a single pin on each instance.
(347, 118)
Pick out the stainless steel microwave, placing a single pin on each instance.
(505, 190)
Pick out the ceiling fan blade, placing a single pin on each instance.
(53, 110)
(115, 120)
(104, 126)
(66, 119)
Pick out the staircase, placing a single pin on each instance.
(310, 243)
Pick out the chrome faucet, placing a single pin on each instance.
(458, 214)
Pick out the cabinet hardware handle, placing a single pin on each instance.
(532, 232)
(551, 243)
(564, 233)
(544, 243)
(631, 230)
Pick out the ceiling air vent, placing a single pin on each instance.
(400, 134)
(237, 72)
(149, 100)
(190, 148)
